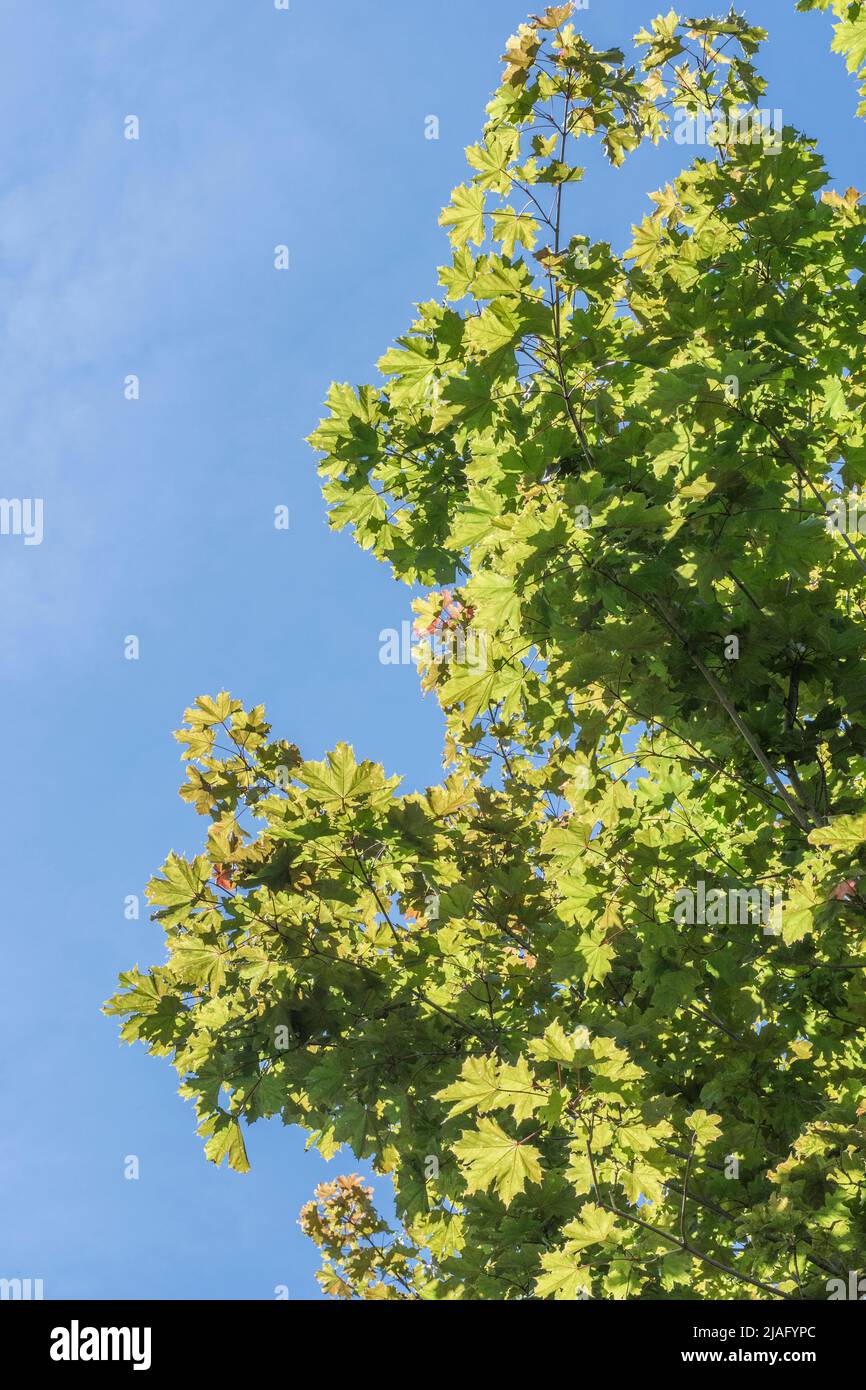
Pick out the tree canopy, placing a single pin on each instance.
(597, 1002)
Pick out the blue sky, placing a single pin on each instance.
(258, 127)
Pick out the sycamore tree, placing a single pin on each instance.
(597, 1002)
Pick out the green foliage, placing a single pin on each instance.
(849, 37)
(622, 466)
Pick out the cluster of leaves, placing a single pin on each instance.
(617, 464)
(344, 1223)
(849, 37)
